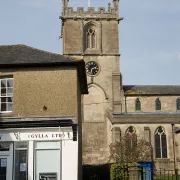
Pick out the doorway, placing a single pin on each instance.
(6, 161)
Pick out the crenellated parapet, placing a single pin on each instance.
(70, 13)
(80, 12)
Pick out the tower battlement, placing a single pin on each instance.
(69, 12)
(80, 12)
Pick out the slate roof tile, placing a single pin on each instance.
(131, 90)
(22, 54)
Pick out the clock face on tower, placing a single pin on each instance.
(92, 68)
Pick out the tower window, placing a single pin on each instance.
(91, 38)
(178, 104)
(160, 143)
(158, 104)
(138, 105)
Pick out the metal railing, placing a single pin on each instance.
(160, 174)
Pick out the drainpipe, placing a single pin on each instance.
(125, 105)
(174, 151)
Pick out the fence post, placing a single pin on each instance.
(176, 174)
(134, 171)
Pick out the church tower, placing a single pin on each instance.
(93, 36)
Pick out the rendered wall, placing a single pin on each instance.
(44, 92)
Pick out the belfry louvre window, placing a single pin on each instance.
(178, 104)
(160, 143)
(137, 105)
(6, 96)
(91, 38)
(158, 104)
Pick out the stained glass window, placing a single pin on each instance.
(160, 143)
(131, 137)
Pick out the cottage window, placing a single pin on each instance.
(138, 104)
(6, 96)
(21, 160)
(178, 104)
(160, 143)
(91, 38)
(158, 104)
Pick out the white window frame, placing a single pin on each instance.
(27, 154)
(7, 95)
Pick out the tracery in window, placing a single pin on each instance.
(160, 143)
(131, 137)
(158, 104)
(91, 38)
(138, 105)
(178, 104)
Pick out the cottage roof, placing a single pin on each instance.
(133, 90)
(22, 54)
(12, 56)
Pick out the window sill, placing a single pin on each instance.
(5, 112)
(161, 159)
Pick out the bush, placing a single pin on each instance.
(119, 171)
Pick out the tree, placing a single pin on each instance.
(130, 149)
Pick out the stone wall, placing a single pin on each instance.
(141, 131)
(168, 103)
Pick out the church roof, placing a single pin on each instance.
(133, 90)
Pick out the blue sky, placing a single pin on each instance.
(149, 34)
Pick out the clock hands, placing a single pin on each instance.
(92, 68)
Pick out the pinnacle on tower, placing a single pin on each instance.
(116, 6)
(65, 6)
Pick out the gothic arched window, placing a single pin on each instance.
(158, 104)
(131, 137)
(160, 143)
(91, 38)
(178, 104)
(138, 105)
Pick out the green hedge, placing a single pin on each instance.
(119, 172)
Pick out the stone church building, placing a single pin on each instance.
(112, 109)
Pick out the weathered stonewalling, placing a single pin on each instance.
(109, 104)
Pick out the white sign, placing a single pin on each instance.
(3, 162)
(26, 136)
(46, 136)
(22, 167)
